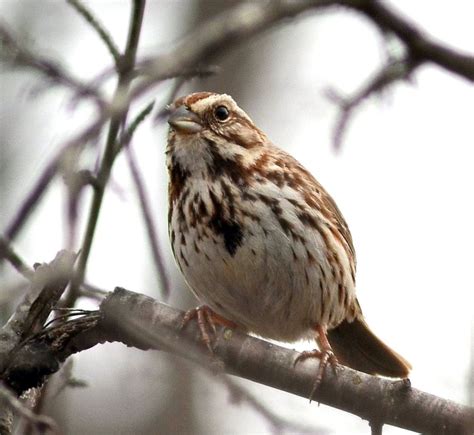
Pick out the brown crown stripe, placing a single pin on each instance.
(189, 100)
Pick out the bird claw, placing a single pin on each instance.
(325, 357)
(206, 320)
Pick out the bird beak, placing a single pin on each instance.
(184, 121)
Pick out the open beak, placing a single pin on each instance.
(184, 121)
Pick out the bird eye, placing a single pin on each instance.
(221, 113)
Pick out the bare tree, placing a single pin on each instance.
(45, 329)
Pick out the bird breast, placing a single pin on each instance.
(260, 256)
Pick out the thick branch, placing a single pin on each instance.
(140, 321)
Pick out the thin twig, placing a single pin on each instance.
(7, 252)
(128, 133)
(90, 291)
(47, 286)
(75, 182)
(69, 315)
(99, 28)
(21, 56)
(136, 20)
(32, 199)
(41, 422)
(387, 75)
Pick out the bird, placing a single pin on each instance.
(260, 242)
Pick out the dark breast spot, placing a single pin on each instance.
(230, 231)
(226, 227)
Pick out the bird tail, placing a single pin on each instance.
(356, 346)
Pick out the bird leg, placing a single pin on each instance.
(325, 355)
(207, 321)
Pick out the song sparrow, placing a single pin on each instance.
(260, 241)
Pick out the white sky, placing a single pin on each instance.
(403, 180)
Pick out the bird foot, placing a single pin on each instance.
(325, 355)
(207, 321)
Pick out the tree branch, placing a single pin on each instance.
(127, 65)
(394, 71)
(42, 423)
(7, 252)
(421, 47)
(99, 28)
(139, 321)
(23, 57)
